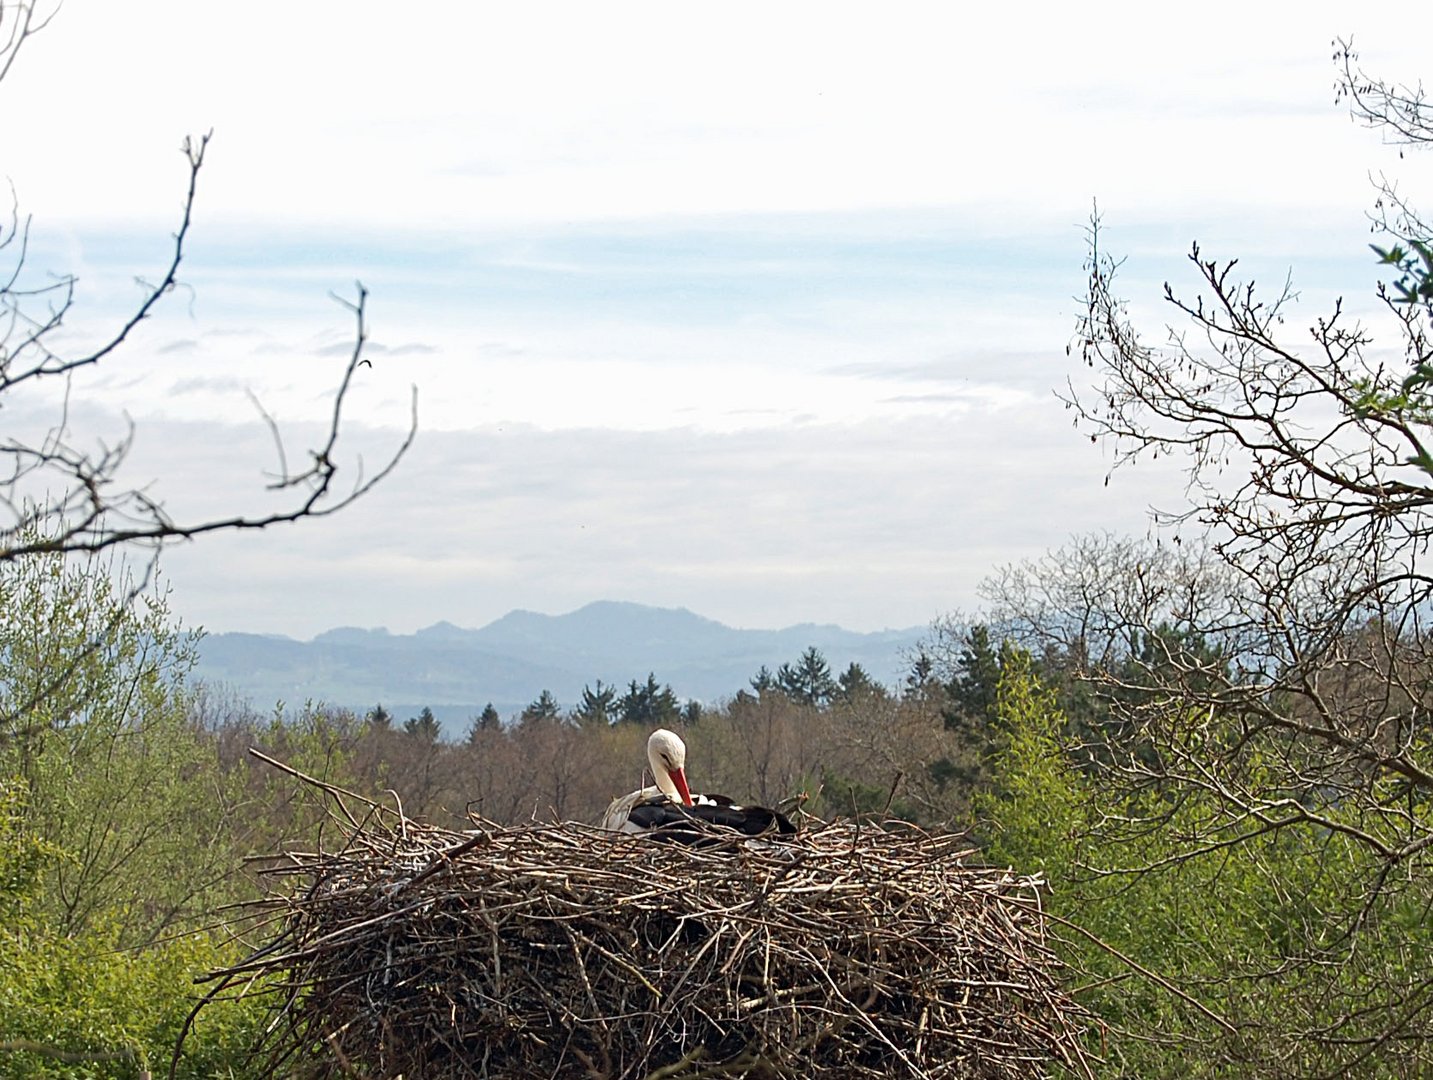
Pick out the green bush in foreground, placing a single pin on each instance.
(83, 1006)
(1247, 930)
(84, 996)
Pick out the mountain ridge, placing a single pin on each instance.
(511, 660)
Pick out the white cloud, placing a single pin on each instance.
(464, 115)
(858, 524)
(754, 309)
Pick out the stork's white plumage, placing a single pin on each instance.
(670, 809)
(667, 757)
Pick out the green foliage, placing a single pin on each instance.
(649, 705)
(597, 706)
(424, 726)
(921, 683)
(82, 1005)
(763, 681)
(1415, 267)
(1411, 401)
(487, 720)
(974, 687)
(847, 797)
(1038, 809)
(23, 854)
(543, 710)
(263, 808)
(966, 702)
(855, 686)
(115, 827)
(87, 996)
(809, 682)
(1259, 901)
(94, 727)
(1042, 816)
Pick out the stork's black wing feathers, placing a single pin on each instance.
(658, 812)
(701, 824)
(751, 820)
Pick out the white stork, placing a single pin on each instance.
(671, 808)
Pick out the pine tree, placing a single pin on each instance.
(598, 708)
(973, 690)
(855, 685)
(650, 706)
(424, 726)
(809, 682)
(487, 720)
(545, 708)
(921, 683)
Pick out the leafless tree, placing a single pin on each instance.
(1271, 659)
(63, 491)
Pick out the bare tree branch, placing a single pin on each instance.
(18, 21)
(56, 496)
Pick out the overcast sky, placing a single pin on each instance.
(755, 309)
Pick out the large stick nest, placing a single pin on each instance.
(560, 950)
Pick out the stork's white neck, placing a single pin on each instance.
(666, 752)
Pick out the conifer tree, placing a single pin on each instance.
(598, 707)
(544, 709)
(650, 705)
(855, 685)
(487, 720)
(809, 682)
(424, 726)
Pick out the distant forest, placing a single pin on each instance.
(839, 744)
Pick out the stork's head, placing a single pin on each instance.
(667, 755)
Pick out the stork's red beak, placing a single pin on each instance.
(679, 777)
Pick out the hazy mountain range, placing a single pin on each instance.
(511, 661)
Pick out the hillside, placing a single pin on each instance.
(513, 659)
